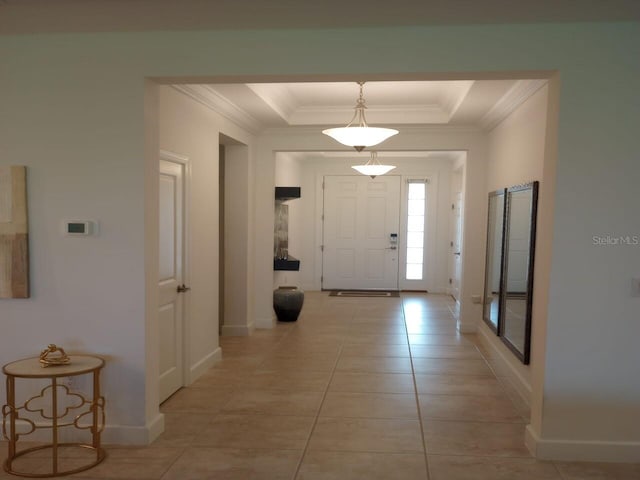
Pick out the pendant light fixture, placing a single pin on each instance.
(360, 135)
(373, 167)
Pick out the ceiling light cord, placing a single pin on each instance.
(360, 108)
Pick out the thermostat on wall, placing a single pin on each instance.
(79, 228)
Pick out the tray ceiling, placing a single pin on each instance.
(256, 107)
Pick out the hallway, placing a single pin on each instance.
(374, 388)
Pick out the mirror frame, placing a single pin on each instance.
(495, 328)
(523, 356)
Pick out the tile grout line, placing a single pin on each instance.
(415, 389)
(166, 471)
(317, 416)
(263, 357)
(557, 469)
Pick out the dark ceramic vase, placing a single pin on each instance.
(287, 302)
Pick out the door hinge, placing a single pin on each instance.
(323, 184)
(453, 206)
(322, 248)
(322, 217)
(451, 243)
(450, 281)
(321, 278)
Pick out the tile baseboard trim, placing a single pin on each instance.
(238, 330)
(128, 435)
(522, 386)
(581, 450)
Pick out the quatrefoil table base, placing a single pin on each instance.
(55, 408)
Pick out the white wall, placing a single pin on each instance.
(191, 129)
(415, 139)
(516, 145)
(88, 293)
(592, 328)
(74, 110)
(438, 170)
(238, 276)
(186, 129)
(516, 155)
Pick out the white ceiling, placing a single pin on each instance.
(30, 16)
(260, 106)
(256, 107)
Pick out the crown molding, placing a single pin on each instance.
(208, 97)
(278, 97)
(413, 118)
(407, 129)
(380, 114)
(516, 96)
(447, 154)
(453, 100)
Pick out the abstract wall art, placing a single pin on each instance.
(14, 235)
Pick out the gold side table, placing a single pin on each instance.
(62, 408)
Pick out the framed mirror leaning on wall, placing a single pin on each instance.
(509, 266)
(493, 266)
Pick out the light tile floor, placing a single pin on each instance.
(375, 388)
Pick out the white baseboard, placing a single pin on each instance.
(204, 364)
(522, 386)
(128, 435)
(581, 450)
(156, 427)
(237, 330)
(467, 327)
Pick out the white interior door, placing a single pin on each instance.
(171, 311)
(360, 216)
(456, 244)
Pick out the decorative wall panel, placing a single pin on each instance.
(14, 235)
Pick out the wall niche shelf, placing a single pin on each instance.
(281, 258)
(287, 193)
(290, 263)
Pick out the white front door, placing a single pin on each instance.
(360, 217)
(170, 311)
(456, 244)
